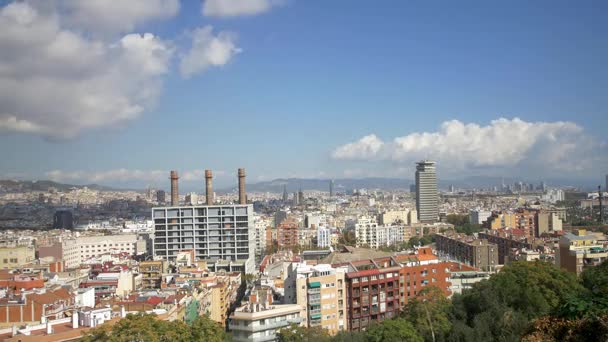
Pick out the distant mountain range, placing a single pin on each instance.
(44, 185)
(340, 185)
(343, 184)
(294, 184)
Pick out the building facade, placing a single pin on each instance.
(219, 234)
(13, 257)
(474, 252)
(287, 234)
(321, 292)
(580, 249)
(259, 323)
(427, 195)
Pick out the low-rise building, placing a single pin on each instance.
(469, 250)
(257, 322)
(13, 257)
(580, 249)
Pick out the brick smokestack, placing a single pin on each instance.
(242, 194)
(209, 186)
(174, 188)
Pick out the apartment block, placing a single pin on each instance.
(152, 273)
(324, 237)
(76, 251)
(220, 302)
(581, 249)
(13, 257)
(369, 233)
(505, 241)
(474, 252)
(287, 233)
(321, 292)
(373, 291)
(258, 322)
(224, 236)
(394, 216)
(421, 270)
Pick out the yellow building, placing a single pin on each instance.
(502, 221)
(321, 292)
(220, 302)
(13, 257)
(580, 249)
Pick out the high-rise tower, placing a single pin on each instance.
(331, 188)
(427, 198)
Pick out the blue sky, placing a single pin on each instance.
(311, 78)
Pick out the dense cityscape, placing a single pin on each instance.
(300, 170)
(258, 263)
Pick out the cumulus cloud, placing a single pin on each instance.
(103, 16)
(504, 143)
(367, 147)
(57, 82)
(208, 50)
(233, 8)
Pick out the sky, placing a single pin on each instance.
(119, 93)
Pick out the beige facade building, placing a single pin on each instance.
(13, 257)
(394, 216)
(321, 292)
(547, 222)
(580, 249)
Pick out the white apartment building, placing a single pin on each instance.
(479, 216)
(323, 237)
(260, 234)
(222, 235)
(315, 220)
(257, 322)
(369, 233)
(76, 251)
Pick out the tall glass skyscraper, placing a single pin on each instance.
(427, 197)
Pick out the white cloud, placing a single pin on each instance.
(127, 175)
(367, 147)
(233, 8)
(505, 144)
(57, 82)
(208, 50)
(118, 175)
(103, 16)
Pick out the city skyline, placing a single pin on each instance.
(506, 94)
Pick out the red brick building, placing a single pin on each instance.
(421, 270)
(287, 234)
(372, 291)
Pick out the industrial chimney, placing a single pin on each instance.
(242, 194)
(209, 186)
(174, 189)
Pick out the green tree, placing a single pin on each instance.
(502, 307)
(593, 302)
(296, 333)
(204, 329)
(397, 329)
(457, 220)
(349, 336)
(148, 328)
(429, 312)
